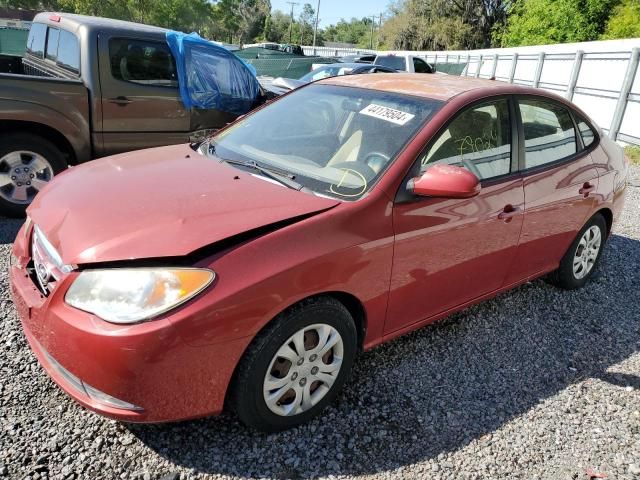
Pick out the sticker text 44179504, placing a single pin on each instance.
(385, 113)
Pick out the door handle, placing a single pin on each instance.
(508, 213)
(586, 189)
(120, 100)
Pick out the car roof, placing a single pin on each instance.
(72, 22)
(435, 86)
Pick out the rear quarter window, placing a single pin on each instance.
(586, 132)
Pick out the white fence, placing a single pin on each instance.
(323, 51)
(336, 52)
(601, 77)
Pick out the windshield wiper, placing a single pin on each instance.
(285, 178)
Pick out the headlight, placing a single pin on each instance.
(132, 295)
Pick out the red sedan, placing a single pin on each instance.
(250, 270)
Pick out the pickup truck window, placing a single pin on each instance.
(143, 62)
(52, 44)
(391, 61)
(36, 40)
(420, 66)
(69, 51)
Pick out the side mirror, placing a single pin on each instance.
(442, 180)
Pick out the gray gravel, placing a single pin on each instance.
(536, 384)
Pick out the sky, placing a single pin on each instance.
(331, 11)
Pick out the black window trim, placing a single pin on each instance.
(580, 152)
(403, 196)
(147, 40)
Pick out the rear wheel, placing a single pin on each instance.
(296, 366)
(27, 163)
(580, 261)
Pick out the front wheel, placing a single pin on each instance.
(27, 163)
(580, 261)
(296, 366)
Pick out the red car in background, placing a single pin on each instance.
(250, 270)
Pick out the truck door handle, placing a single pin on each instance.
(508, 213)
(120, 101)
(586, 189)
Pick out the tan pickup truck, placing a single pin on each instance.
(88, 87)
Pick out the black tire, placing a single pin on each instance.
(246, 394)
(564, 277)
(12, 142)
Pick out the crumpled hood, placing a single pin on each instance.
(162, 202)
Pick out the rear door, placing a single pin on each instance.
(560, 181)
(141, 105)
(450, 251)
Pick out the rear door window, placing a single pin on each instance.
(69, 51)
(36, 39)
(549, 135)
(143, 62)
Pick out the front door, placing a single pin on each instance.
(450, 251)
(141, 104)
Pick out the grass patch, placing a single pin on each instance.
(633, 152)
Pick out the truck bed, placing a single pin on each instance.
(11, 64)
(61, 104)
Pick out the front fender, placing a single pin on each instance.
(347, 249)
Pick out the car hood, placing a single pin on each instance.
(163, 202)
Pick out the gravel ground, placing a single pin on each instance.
(536, 384)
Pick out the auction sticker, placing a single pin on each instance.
(386, 113)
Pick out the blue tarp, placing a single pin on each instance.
(210, 76)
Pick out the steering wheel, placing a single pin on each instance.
(471, 167)
(376, 161)
(326, 113)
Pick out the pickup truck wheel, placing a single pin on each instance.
(27, 163)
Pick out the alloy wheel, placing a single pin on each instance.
(587, 252)
(22, 175)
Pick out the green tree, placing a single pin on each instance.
(278, 27)
(357, 31)
(30, 4)
(306, 23)
(624, 21)
(251, 17)
(443, 24)
(538, 22)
